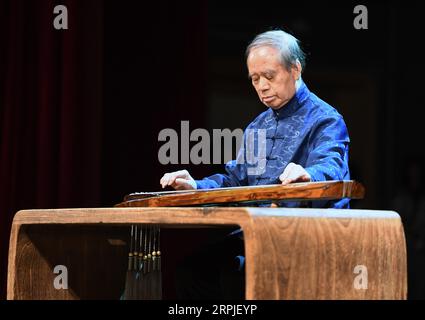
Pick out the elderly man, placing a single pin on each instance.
(305, 140)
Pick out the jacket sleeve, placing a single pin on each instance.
(328, 150)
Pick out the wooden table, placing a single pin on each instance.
(290, 253)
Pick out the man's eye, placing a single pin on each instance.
(254, 80)
(269, 77)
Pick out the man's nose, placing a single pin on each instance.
(263, 85)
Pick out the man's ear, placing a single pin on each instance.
(297, 68)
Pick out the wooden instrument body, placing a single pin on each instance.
(308, 191)
(290, 253)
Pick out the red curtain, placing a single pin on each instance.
(50, 110)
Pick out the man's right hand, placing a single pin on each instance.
(179, 180)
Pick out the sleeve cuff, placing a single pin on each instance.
(202, 184)
(314, 174)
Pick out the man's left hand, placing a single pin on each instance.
(294, 173)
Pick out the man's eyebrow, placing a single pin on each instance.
(270, 71)
(267, 72)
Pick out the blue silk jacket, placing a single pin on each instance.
(306, 131)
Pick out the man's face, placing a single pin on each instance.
(275, 85)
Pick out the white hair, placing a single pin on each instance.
(287, 44)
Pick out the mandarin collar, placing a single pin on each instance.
(294, 104)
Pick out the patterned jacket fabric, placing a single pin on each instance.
(306, 131)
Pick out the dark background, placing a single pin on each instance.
(81, 109)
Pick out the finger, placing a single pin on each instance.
(297, 174)
(179, 186)
(286, 181)
(293, 174)
(178, 174)
(164, 180)
(286, 172)
(173, 177)
(182, 184)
